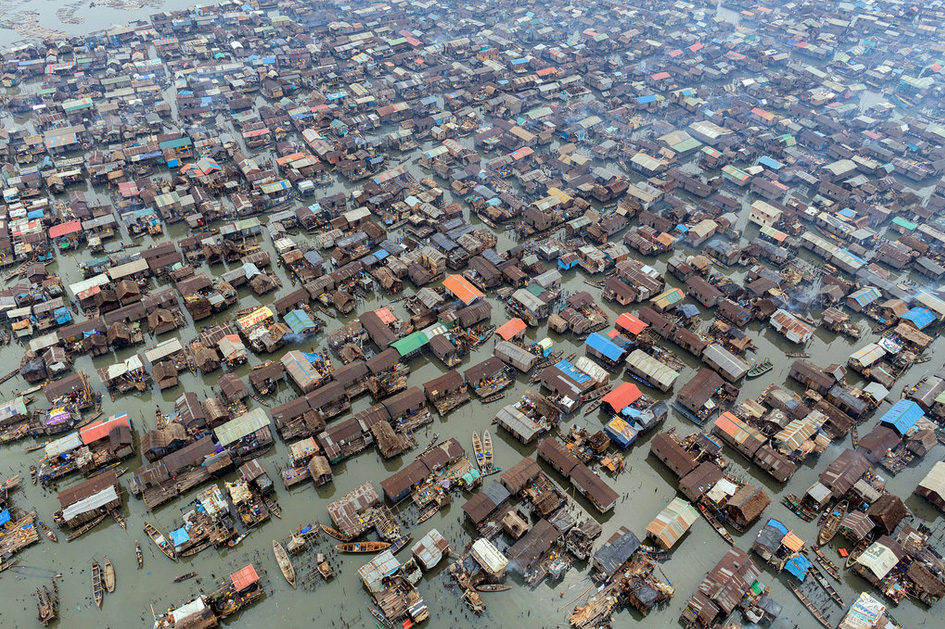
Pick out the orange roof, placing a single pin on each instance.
(630, 323)
(100, 429)
(385, 315)
(244, 578)
(511, 328)
(623, 396)
(462, 289)
(792, 542)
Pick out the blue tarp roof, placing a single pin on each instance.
(777, 524)
(179, 536)
(603, 346)
(920, 317)
(4, 516)
(568, 369)
(768, 162)
(798, 565)
(688, 310)
(902, 416)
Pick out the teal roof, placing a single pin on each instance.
(410, 344)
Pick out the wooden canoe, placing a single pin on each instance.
(487, 450)
(117, 517)
(98, 588)
(48, 531)
(139, 556)
(362, 547)
(761, 368)
(338, 535)
(193, 550)
(477, 450)
(109, 575)
(184, 577)
(493, 587)
(88, 526)
(398, 544)
(273, 506)
(832, 523)
(285, 564)
(160, 541)
(429, 513)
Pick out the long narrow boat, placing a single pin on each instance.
(829, 567)
(719, 528)
(492, 587)
(382, 620)
(813, 609)
(398, 544)
(362, 547)
(98, 588)
(487, 450)
(477, 450)
(761, 368)
(160, 541)
(826, 586)
(109, 575)
(856, 552)
(88, 526)
(184, 577)
(117, 517)
(273, 506)
(285, 564)
(855, 436)
(196, 548)
(48, 531)
(139, 555)
(832, 523)
(338, 535)
(429, 513)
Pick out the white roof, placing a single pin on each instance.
(879, 559)
(489, 556)
(62, 445)
(935, 479)
(94, 501)
(99, 280)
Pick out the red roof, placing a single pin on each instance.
(629, 323)
(244, 578)
(510, 329)
(623, 396)
(100, 429)
(64, 229)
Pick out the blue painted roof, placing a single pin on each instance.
(902, 416)
(4, 516)
(568, 369)
(798, 565)
(768, 162)
(649, 98)
(777, 524)
(299, 321)
(920, 317)
(602, 345)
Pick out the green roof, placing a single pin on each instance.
(410, 344)
(904, 223)
(179, 143)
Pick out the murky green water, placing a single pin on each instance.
(646, 486)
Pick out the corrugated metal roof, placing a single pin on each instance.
(242, 426)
